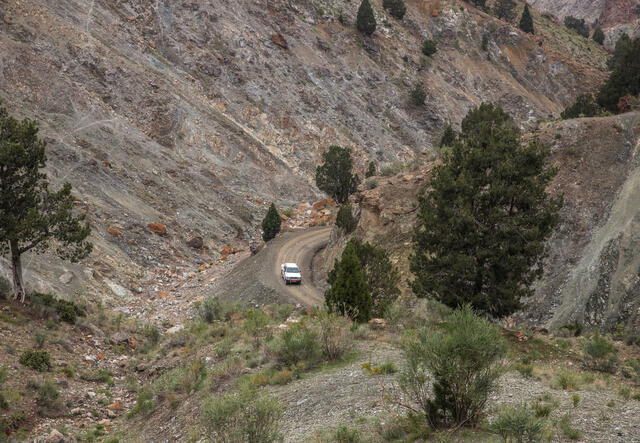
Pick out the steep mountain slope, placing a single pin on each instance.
(615, 16)
(197, 115)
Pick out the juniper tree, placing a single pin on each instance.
(526, 21)
(625, 78)
(483, 225)
(271, 224)
(371, 170)
(598, 36)
(395, 7)
(429, 47)
(505, 9)
(32, 217)
(334, 176)
(448, 137)
(366, 20)
(349, 292)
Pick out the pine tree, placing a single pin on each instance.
(32, 217)
(395, 7)
(526, 22)
(448, 138)
(598, 36)
(484, 223)
(366, 20)
(505, 9)
(334, 176)
(271, 223)
(349, 292)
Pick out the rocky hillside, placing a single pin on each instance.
(615, 16)
(195, 115)
(592, 269)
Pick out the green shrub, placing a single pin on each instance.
(598, 36)
(584, 106)
(282, 377)
(567, 429)
(296, 344)
(334, 335)
(67, 311)
(345, 434)
(214, 308)
(271, 223)
(185, 379)
(144, 403)
(566, 380)
(518, 424)
(429, 47)
(418, 95)
(47, 395)
(224, 347)
(5, 288)
(39, 339)
(37, 360)
(575, 400)
(525, 370)
(464, 357)
(4, 376)
(388, 367)
(152, 334)
(345, 219)
(577, 25)
(371, 170)
(600, 354)
(242, 417)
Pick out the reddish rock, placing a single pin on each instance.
(133, 343)
(114, 231)
(100, 356)
(8, 21)
(158, 228)
(116, 406)
(279, 40)
(284, 217)
(162, 295)
(204, 266)
(227, 251)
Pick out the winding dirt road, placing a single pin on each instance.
(256, 280)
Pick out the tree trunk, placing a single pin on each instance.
(16, 268)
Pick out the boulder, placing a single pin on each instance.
(175, 329)
(54, 436)
(158, 228)
(66, 278)
(195, 242)
(279, 40)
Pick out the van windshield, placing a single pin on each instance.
(293, 270)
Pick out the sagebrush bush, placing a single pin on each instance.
(335, 336)
(47, 394)
(38, 360)
(518, 423)
(600, 354)
(213, 308)
(296, 344)
(566, 380)
(345, 434)
(67, 311)
(464, 359)
(418, 95)
(429, 47)
(185, 379)
(144, 403)
(245, 416)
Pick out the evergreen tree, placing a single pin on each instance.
(345, 219)
(395, 7)
(526, 21)
(480, 4)
(366, 20)
(449, 137)
(418, 95)
(625, 78)
(621, 46)
(505, 9)
(33, 218)
(598, 36)
(371, 171)
(577, 25)
(349, 292)
(271, 223)
(484, 223)
(383, 278)
(334, 176)
(429, 47)
(584, 106)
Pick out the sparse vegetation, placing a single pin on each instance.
(577, 25)
(298, 343)
(518, 423)
(600, 354)
(418, 95)
(395, 7)
(584, 106)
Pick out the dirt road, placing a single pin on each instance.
(256, 280)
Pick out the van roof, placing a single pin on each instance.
(290, 265)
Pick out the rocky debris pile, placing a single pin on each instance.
(308, 215)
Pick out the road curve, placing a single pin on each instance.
(256, 279)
